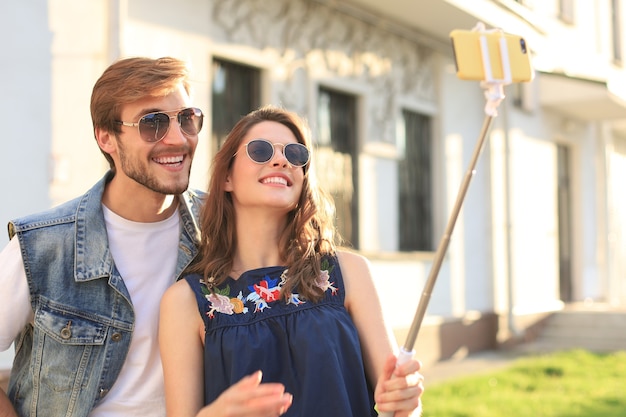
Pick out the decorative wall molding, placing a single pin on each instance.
(314, 41)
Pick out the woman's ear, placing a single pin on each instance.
(228, 185)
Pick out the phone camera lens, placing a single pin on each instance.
(522, 44)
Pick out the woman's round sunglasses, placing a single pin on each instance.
(154, 126)
(262, 151)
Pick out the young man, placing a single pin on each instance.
(82, 281)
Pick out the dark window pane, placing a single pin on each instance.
(336, 159)
(235, 92)
(565, 224)
(415, 185)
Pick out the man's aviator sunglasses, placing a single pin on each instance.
(261, 151)
(154, 126)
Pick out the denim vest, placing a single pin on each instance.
(67, 362)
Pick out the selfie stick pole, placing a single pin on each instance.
(494, 94)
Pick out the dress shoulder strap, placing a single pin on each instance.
(196, 282)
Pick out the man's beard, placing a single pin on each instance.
(140, 173)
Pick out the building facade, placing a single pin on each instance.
(543, 221)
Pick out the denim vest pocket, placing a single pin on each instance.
(64, 344)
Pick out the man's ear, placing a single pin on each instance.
(106, 140)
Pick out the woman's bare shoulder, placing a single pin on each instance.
(351, 260)
(177, 293)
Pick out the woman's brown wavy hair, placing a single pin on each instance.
(308, 235)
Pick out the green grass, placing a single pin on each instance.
(574, 383)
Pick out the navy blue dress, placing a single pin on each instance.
(311, 348)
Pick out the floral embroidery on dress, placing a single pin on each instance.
(323, 281)
(221, 302)
(261, 294)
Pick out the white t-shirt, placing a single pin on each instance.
(145, 255)
(15, 309)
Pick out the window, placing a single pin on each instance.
(566, 11)
(235, 92)
(415, 228)
(616, 20)
(564, 199)
(337, 159)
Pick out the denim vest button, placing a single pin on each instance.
(103, 392)
(66, 332)
(116, 337)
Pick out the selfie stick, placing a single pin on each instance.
(494, 94)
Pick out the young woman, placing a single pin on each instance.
(273, 319)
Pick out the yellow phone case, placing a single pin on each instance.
(469, 59)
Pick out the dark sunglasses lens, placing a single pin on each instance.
(260, 151)
(191, 120)
(153, 126)
(297, 154)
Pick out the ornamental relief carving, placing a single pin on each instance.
(310, 40)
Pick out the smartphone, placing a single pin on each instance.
(468, 54)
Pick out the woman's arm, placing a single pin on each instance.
(181, 333)
(181, 341)
(403, 391)
(6, 408)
